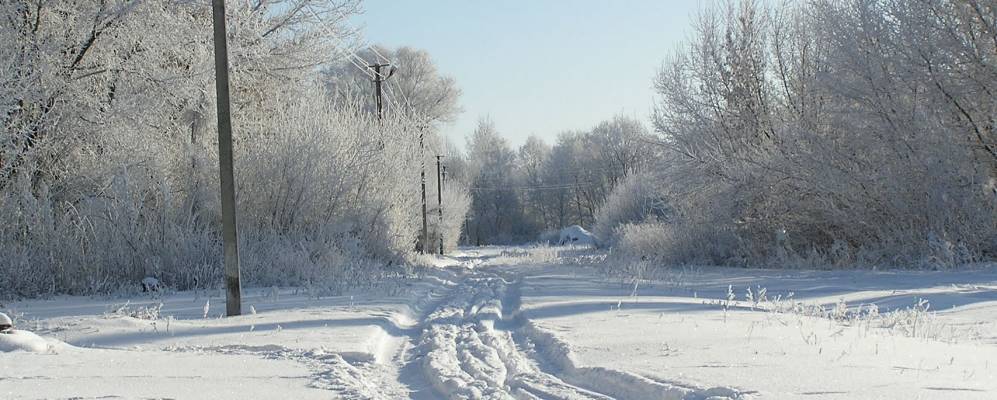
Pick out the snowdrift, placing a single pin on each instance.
(576, 235)
(19, 340)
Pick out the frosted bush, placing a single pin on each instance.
(800, 142)
(292, 230)
(634, 201)
(457, 202)
(643, 241)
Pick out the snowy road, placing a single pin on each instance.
(476, 345)
(515, 323)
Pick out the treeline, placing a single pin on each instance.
(827, 133)
(528, 193)
(803, 134)
(108, 166)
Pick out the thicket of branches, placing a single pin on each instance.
(422, 99)
(820, 133)
(823, 133)
(528, 193)
(108, 168)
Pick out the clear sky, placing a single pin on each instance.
(538, 67)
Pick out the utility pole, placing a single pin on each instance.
(233, 297)
(424, 247)
(378, 79)
(439, 198)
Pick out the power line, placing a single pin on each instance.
(378, 54)
(361, 64)
(587, 173)
(537, 187)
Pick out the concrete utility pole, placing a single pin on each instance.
(439, 198)
(378, 79)
(233, 298)
(424, 247)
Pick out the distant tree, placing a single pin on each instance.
(623, 146)
(495, 209)
(532, 159)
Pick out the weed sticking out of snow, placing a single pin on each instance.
(526, 255)
(728, 300)
(547, 254)
(650, 276)
(756, 297)
(151, 312)
(914, 321)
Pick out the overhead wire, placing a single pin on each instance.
(364, 66)
(350, 53)
(554, 186)
(378, 54)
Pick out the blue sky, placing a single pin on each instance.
(538, 67)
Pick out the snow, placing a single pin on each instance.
(525, 322)
(576, 235)
(677, 330)
(21, 340)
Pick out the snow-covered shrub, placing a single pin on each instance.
(646, 241)
(633, 201)
(457, 202)
(102, 243)
(317, 262)
(315, 168)
(108, 172)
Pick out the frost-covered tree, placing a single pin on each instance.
(541, 188)
(108, 171)
(533, 157)
(831, 132)
(495, 208)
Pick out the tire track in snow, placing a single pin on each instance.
(464, 355)
(330, 371)
(355, 376)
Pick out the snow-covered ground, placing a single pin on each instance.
(529, 323)
(677, 329)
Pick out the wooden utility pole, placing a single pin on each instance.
(378, 79)
(233, 298)
(439, 198)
